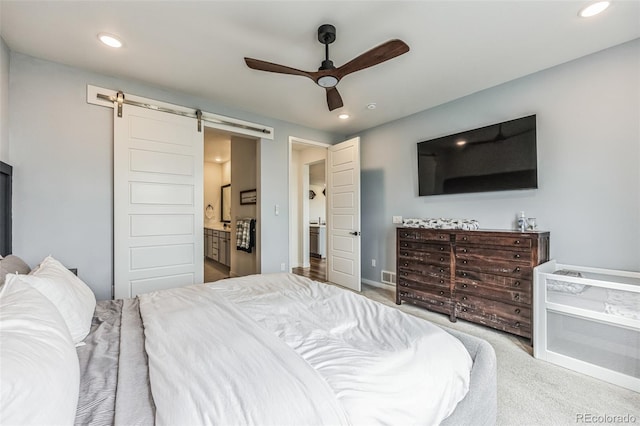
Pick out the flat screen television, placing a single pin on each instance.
(498, 157)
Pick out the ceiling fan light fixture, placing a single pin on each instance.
(593, 9)
(327, 81)
(110, 40)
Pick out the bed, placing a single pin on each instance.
(588, 320)
(263, 349)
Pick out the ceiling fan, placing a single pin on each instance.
(328, 75)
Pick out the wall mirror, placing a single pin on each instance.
(225, 203)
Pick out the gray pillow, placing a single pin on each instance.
(12, 265)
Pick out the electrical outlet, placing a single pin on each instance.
(373, 263)
(282, 267)
(397, 219)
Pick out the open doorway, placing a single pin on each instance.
(308, 209)
(230, 173)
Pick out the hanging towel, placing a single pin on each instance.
(245, 234)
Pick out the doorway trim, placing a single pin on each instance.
(297, 141)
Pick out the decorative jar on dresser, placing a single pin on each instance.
(482, 276)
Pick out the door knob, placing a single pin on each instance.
(356, 233)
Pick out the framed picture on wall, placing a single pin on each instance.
(248, 197)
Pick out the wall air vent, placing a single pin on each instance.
(388, 277)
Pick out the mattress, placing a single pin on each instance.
(363, 361)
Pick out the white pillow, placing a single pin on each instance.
(40, 373)
(73, 298)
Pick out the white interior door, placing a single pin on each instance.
(343, 208)
(158, 202)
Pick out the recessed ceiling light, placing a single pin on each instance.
(110, 40)
(372, 105)
(343, 116)
(593, 9)
(218, 159)
(461, 142)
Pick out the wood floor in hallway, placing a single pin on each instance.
(316, 271)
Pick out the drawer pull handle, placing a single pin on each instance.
(441, 281)
(517, 284)
(441, 293)
(518, 311)
(464, 274)
(441, 270)
(517, 242)
(441, 259)
(406, 264)
(465, 262)
(441, 248)
(464, 238)
(441, 303)
(464, 297)
(464, 286)
(405, 245)
(517, 323)
(465, 250)
(517, 256)
(405, 254)
(518, 269)
(405, 273)
(464, 309)
(516, 296)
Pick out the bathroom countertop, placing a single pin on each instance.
(217, 228)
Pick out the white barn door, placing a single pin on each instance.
(343, 226)
(157, 201)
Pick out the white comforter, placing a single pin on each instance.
(211, 364)
(350, 356)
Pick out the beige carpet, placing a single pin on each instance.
(531, 391)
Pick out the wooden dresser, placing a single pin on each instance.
(483, 276)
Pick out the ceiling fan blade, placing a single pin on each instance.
(259, 65)
(375, 56)
(334, 100)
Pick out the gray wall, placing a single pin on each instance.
(61, 150)
(4, 101)
(588, 117)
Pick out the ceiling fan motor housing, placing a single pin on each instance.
(326, 34)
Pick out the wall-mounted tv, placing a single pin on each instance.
(498, 157)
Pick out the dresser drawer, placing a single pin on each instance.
(435, 257)
(493, 307)
(412, 279)
(480, 278)
(429, 301)
(510, 269)
(506, 241)
(503, 294)
(421, 267)
(518, 326)
(422, 235)
(513, 254)
(426, 287)
(423, 247)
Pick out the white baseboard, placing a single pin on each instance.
(378, 284)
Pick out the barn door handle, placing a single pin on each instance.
(356, 233)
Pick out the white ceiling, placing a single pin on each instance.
(197, 47)
(217, 146)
